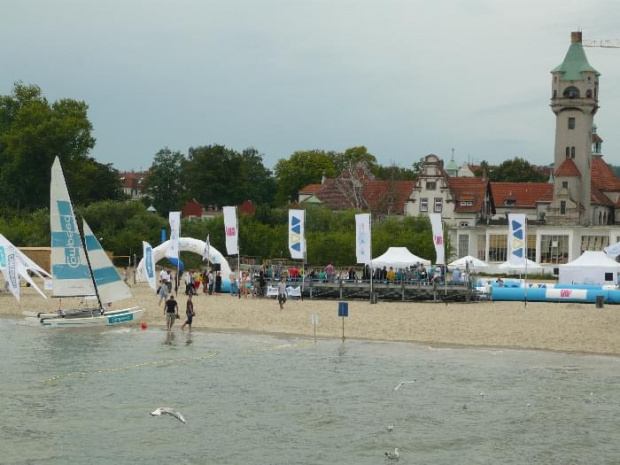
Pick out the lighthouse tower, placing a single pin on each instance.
(574, 101)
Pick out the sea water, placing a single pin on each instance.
(83, 396)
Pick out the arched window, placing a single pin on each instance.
(589, 93)
(572, 152)
(571, 92)
(567, 152)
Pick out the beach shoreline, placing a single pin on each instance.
(562, 327)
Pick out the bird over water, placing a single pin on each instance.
(167, 410)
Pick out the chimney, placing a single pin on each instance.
(575, 36)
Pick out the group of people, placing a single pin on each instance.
(171, 311)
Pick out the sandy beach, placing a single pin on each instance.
(562, 327)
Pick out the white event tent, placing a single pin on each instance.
(472, 261)
(591, 268)
(531, 266)
(398, 257)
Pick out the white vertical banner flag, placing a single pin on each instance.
(12, 266)
(231, 230)
(175, 231)
(149, 264)
(517, 238)
(297, 233)
(206, 253)
(363, 238)
(437, 228)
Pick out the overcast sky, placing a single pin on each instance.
(405, 78)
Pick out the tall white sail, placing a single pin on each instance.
(109, 283)
(70, 272)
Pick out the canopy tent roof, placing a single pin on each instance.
(590, 268)
(398, 257)
(531, 266)
(592, 259)
(473, 262)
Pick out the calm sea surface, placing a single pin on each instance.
(84, 397)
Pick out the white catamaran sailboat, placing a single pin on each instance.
(79, 272)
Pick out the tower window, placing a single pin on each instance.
(565, 184)
(571, 123)
(572, 152)
(567, 152)
(571, 92)
(555, 94)
(562, 207)
(589, 93)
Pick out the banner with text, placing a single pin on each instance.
(149, 264)
(297, 233)
(363, 238)
(437, 228)
(175, 230)
(12, 265)
(231, 230)
(517, 238)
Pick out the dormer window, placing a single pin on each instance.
(510, 202)
(431, 185)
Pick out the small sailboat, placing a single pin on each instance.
(81, 268)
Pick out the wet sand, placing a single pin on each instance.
(561, 327)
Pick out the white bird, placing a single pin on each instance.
(390, 428)
(170, 412)
(393, 455)
(403, 383)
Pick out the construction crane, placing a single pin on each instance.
(603, 43)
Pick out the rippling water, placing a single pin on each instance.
(81, 396)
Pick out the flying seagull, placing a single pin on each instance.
(403, 383)
(393, 455)
(170, 412)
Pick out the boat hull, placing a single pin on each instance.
(111, 318)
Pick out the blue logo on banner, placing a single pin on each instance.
(295, 234)
(517, 239)
(343, 309)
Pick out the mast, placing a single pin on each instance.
(90, 269)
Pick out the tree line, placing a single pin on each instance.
(330, 235)
(33, 131)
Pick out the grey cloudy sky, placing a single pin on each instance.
(404, 78)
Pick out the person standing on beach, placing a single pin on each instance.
(189, 312)
(282, 294)
(171, 311)
(162, 292)
(218, 283)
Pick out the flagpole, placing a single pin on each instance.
(370, 247)
(303, 259)
(238, 254)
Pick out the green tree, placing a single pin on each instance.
(352, 156)
(394, 173)
(215, 175)
(32, 133)
(165, 186)
(516, 170)
(301, 169)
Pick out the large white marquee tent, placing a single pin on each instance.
(591, 268)
(398, 257)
